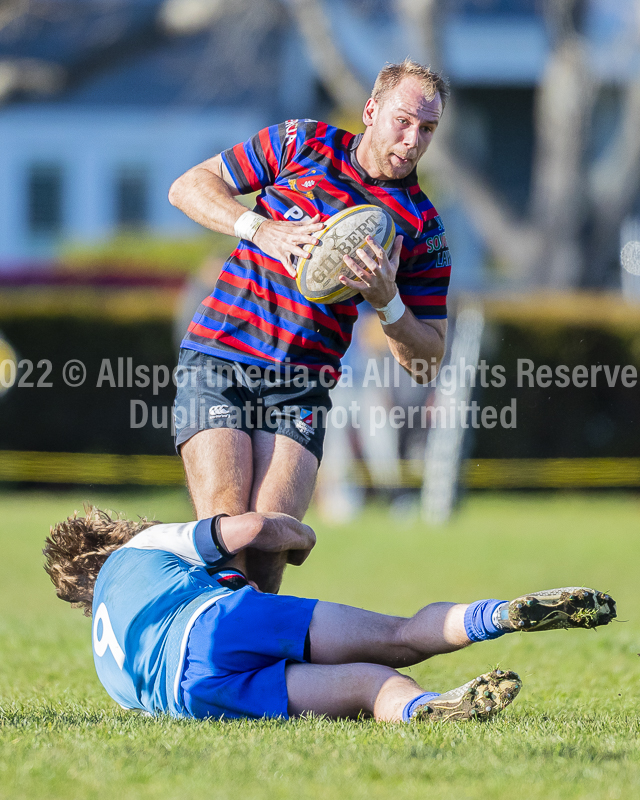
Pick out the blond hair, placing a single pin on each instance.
(76, 549)
(391, 74)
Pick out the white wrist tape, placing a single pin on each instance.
(392, 311)
(247, 225)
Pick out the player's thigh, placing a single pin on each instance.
(341, 634)
(284, 474)
(343, 690)
(218, 465)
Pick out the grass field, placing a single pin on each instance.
(572, 733)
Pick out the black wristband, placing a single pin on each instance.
(216, 537)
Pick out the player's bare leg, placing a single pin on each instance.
(347, 690)
(229, 472)
(218, 465)
(342, 634)
(337, 682)
(284, 474)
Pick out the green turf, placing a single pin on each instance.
(572, 733)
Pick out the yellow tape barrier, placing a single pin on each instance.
(551, 473)
(490, 473)
(34, 467)
(85, 302)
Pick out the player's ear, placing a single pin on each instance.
(368, 115)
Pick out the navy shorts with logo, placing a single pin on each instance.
(217, 393)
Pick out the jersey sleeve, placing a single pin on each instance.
(256, 163)
(197, 543)
(424, 273)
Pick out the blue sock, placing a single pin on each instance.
(421, 700)
(478, 624)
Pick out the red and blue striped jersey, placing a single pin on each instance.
(256, 315)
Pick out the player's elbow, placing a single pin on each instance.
(424, 369)
(184, 187)
(422, 372)
(425, 376)
(176, 192)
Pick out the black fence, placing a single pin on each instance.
(96, 385)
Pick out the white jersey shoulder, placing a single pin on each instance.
(173, 537)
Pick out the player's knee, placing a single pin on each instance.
(372, 685)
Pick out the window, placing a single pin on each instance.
(44, 192)
(500, 7)
(132, 197)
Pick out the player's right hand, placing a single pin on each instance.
(271, 532)
(283, 240)
(297, 557)
(281, 533)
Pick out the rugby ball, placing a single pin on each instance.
(343, 234)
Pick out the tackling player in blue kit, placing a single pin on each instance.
(178, 629)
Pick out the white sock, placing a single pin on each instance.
(500, 617)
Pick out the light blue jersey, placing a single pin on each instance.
(147, 597)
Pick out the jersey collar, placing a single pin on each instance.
(402, 183)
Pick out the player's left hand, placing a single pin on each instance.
(376, 283)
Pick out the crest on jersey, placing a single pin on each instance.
(307, 183)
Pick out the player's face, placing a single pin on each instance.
(401, 127)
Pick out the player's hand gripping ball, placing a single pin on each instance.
(318, 274)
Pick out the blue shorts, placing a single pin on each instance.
(237, 652)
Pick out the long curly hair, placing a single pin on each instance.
(77, 548)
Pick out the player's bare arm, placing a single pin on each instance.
(206, 192)
(269, 532)
(413, 342)
(410, 339)
(206, 197)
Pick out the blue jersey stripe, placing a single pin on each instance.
(278, 322)
(282, 291)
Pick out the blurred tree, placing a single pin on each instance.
(569, 236)
(110, 32)
(332, 69)
(96, 36)
(10, 9)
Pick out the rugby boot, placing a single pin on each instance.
(568, 607)
(480, 699)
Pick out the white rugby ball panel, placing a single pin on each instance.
(344, 233)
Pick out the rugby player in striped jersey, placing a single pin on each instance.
(258, 359)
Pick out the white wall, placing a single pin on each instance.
(90, 145)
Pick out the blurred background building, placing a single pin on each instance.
(104, 102)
